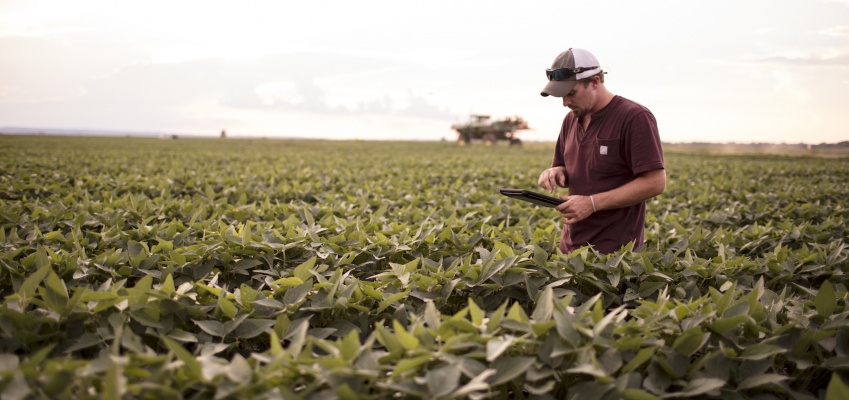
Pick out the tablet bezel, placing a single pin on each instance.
(531, 196)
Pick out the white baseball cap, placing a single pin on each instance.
(568, 68)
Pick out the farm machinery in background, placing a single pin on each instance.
(481, 128)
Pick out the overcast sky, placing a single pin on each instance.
(712, 71)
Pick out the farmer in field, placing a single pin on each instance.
(608, 154)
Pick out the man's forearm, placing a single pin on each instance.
(644, 187)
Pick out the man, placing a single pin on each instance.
(608, 154)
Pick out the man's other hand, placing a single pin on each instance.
(553, 177)
(575, 208)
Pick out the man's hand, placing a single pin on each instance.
(575, 208)
(553, 177)
(647, 185)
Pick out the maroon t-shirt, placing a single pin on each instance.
(621, 142)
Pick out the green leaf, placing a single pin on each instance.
(496, 317)
(690, 341)
(182, 336)
(42, 259)
(545, 306)
(641, 357)
(760, 351)
(212, 327)
(761, 380)
(288, 282)
(89, 296)
(724, 325)
(432, 316)
(407, 340)
(476, 313)
(246, 231)
(476, 384)
(177, 257)
(638, 394)
(837, 389)
(252, 327)
(825, 300)
(349, 347)
(516, 313)
(444, 380)
(239, 370)
(392, 299)
(168, 285)
(837, 363)
(740, 308)
(302, 271)
(371, 291)
(297, 337)
(647, 288)
(700, 386)
(57, 286)
(84, 341)
(55, 295)
(297, 293)
(113, 382)
(495, 347)
(389, 340)
(502, 249)
(589, 368)
(227, 308)
(17, 387)
(139, 293)
(408, 364)
(724, 299)
(566, 327)
(540, 256)
(345, 392)
(496, 268)
(509, 368)
(192, 365)
(607, 319)
(163, 246)
(231, 325)
(30, 285)
(135, 248)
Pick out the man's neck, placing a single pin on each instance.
(604, 98)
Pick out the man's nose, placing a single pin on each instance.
(566, 101)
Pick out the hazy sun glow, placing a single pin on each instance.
(743, 71)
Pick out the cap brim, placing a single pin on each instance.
(558, 88)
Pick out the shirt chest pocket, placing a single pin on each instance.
(607, 158)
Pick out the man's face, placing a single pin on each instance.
(581, 100)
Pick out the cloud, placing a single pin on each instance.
(841, 30)
(321, 83)
(41, 69)
(829, 58)
(206, 93)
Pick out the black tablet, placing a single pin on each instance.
(533, 197)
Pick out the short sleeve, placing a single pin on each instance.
(642, 147)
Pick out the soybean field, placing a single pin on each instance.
(141, 268)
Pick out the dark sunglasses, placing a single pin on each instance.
(562, 74)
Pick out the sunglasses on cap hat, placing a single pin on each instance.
(562, 74)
